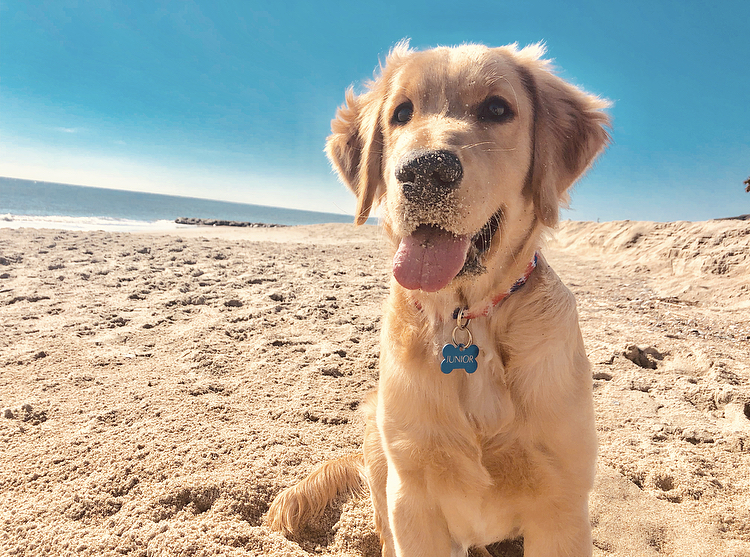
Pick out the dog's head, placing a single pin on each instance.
(470, 152)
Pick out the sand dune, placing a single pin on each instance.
(694, 261)
(158, 390)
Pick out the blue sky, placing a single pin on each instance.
(233, 100)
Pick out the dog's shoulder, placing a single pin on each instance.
(544, 299)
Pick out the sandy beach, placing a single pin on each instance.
(158, 390)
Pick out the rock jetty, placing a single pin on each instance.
(217, 222)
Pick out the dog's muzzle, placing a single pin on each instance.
(428, 176)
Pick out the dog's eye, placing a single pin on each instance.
(403, 113)
(495, 109)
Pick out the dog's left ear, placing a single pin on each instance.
(355, 148)
(570, 130)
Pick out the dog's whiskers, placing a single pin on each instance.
(515, 95)
(504, 232)
(500, 223)
(477, 145)
(494, 79)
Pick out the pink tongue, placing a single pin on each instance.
(429, 259)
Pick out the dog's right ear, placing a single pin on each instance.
(355, 148)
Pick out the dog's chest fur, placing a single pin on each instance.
(485, 399)
(488, 441)
(483, 395)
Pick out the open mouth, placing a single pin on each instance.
(431, 257)
(480, 244)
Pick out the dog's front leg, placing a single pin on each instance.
(561, 530)
(417, 523)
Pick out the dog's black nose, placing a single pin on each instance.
(423, 174)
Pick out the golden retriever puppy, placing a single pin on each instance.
(482, 427)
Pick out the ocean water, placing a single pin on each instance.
(32, 204)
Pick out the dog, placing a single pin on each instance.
(482, 426)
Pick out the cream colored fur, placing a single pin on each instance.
(454, 461)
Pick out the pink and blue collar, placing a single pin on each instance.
(500, 298)
(497, 300)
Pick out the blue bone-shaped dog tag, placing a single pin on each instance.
(459, 357)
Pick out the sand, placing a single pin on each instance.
(158, 390)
